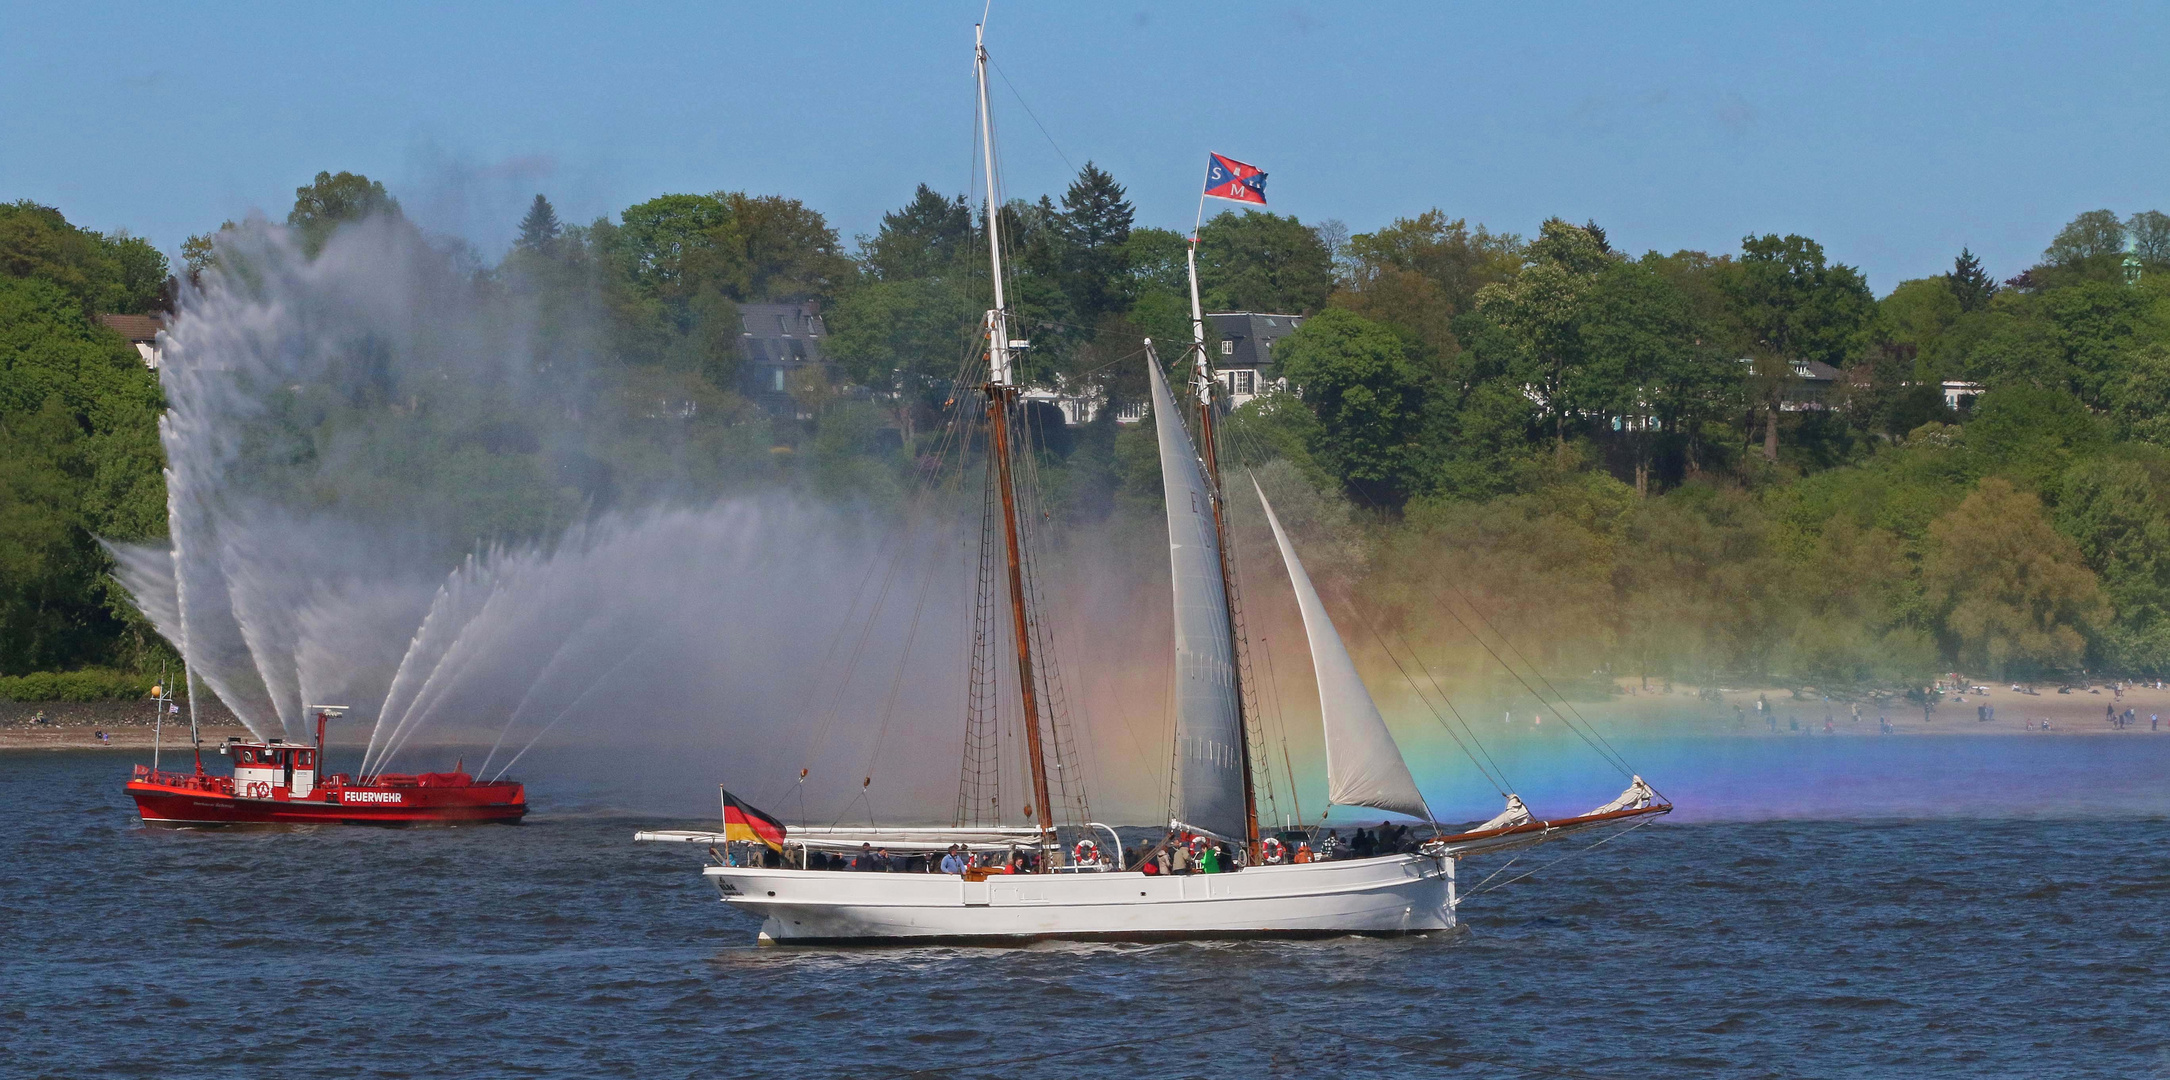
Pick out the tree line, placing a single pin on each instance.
(1614, 455)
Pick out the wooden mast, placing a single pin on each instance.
(1001, 390)
(1209, 448)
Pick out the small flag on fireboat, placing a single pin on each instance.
(1227, 178)
(743, 822)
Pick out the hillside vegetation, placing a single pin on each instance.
(1610, 456)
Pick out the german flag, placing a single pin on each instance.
(743, 822)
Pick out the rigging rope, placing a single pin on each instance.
(1606, 752)
(1499, 783)
(1464, 721)
(1616, 758)
(1583, 850)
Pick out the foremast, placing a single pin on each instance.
(1001, 391)
(1205, 383)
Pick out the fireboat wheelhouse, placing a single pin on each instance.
(280, 783)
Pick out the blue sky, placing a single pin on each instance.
(1892, 132)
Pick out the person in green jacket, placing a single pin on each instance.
(1210, 862)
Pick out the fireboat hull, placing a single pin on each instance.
(170, 805)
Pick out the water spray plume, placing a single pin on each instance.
(391, 487)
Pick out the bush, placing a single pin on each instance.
(89, 684)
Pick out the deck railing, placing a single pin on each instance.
(216, 785)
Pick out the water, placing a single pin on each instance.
(1886, 947)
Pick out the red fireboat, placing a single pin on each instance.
(277, 783)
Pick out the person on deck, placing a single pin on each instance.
(1303, 853)
(1179, 859)
(1210, 862)
(953, 863)
(864, 861)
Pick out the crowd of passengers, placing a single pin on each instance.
(1176, 853)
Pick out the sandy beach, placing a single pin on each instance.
(72, 725)
(2083, 711)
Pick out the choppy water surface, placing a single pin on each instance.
(1813, 948)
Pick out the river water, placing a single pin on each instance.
(2005, 913)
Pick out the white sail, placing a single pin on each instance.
(1364, 767)
(1208, 724)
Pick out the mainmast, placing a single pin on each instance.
(1001, 391)
(1204, 382)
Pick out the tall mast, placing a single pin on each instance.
(1001, 390)
(1205, 383)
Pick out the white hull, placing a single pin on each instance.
(1395, 894)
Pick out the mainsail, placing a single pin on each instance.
(1208, 725)
(1364, 767)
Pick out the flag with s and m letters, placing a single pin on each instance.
(1227, 178)
(743, 822)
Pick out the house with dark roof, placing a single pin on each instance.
(780, 345)
(1245, 357)
(1810, 388)
(141, 332)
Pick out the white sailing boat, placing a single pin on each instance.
(1076, 892)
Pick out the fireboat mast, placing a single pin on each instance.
(1205, 384)
(1001, 390)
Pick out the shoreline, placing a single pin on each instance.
(129, 725)
(2083, 711)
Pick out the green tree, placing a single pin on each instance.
(664, 239)
(2115, 509)
(2092, 327)
(1257, 261)
(1970, 285)
(105, 274)
(1157, 262)
(2138, 396)
(1542, 312)
(2013, 594)
(1095, 229)
(1921, 313)
(48, 572)
(912, 336)
(1356, 378)
(2150, 233)
(2032, 433)
(539, 229)
(200, 252)
(1794, 306)
(1643, 368)
(2088, 239)
(787, 248)
(329, 201)
(931, 236)
(1418, 273)
(79, 458)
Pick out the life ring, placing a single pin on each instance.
(1199, 845)
(1086, 853)
(1273, 850)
